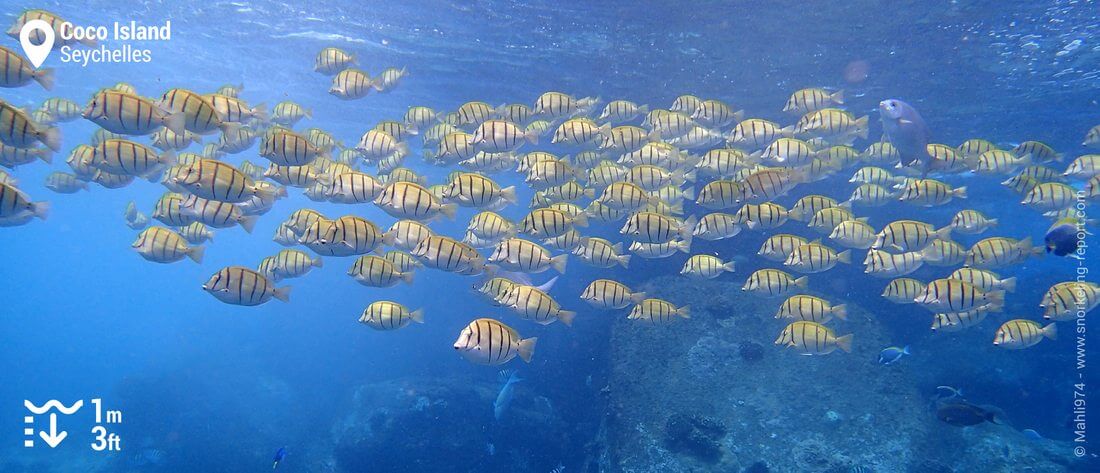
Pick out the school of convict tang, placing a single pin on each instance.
(700, 168)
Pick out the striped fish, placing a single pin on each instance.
(287, 148)
(971, 222)
(473, 113)
(609, 294)
(958, 321)
(811, 309)
(448, 254)
(557, 105)
(716, 226)
(195, 233)
(757, 133)
(167, 210)
(954, 295)
(332, 60)
(650, 227)
(354, 188)
(1050, 196)
(387, 315)
(490, 342)
(882, 264)
(659, 250)
(495, 136)
(810, 99)
(19, 130)
(779, 247)
(1063, 300)
(161, 245)
(1022, 333)
(618, 111)
(550, 223)
(909, 235)
(532, 303)
(287, 113)
(903, 290)
(376, 271)
(55, 22)
(412, 201)
(291, 263)
(474, 190)
(998, 252)
(706, 267)
(346, 236)
(407, 234)
(930, 193)
(601, 253)
(815, 258)
(658, 311)
(130, 158)
(986, 280)
(812, 338)
(351, 84)
(232, 109)
(17, 72)
(216, 180)
(242, 286)
(773, 283)
(516, 254)
(216, 214)
(200, 116)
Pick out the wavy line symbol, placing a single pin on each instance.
(53, 404)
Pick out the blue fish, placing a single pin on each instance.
(504, 398)
(891, 355)
(1061, 238)
(907, 131)
(279, 456)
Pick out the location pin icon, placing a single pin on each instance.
(36, 53)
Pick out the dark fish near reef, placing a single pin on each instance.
(279, 456)
(962, 414)
(1061, 238)
(906, 130)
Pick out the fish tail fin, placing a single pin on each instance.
(997, 297)
(729, 267)
(508, 194)
(532, 136)
(40, 209)
(51, 137)
(845, 257)
(840, 311)
(1051, 331)
(266, 193)
(624, 260)
(688, 193)
(687, 228)
(959, 192)
(417, 316)
(46, 155)
(589, 193)
(566, 317)
(905, 350)
(637, 297)
(861, 126)
(407, 277)
(259, 112)
(195, 253)
(993, 222)
(315, 262)
(248, 222)
(684, 246)
(44, 77)
(944, 233)
(802, 282)
(684, 311)
(527, 348)
(580, 220)
(282, 293)
(1009, 284)
(559, 262)
(837, 97)
(845, 343)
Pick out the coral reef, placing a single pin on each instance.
(694, 434)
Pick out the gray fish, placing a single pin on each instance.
(907, 131)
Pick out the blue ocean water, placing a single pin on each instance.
(206, 386)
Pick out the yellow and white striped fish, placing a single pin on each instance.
(998, 252)
(200, 115)
(490, 342)
(215, 213)
(610, 294)
(617, 111)
(625, 196)
(491, 226)
(287, 148)
(958, 321)
(404, 262)
(815, 258)
(15, 206)
(346, 236)
(496, 136)
(651, 227)
(65, 183)
(216, 180)
(882, 264)
(351, 84)
(974, 147)
(376, 271)
(909, 235)
(773, 283)
(658, 311)
(473, 113)
(812, 338)
(1063, 300)
(131, 159)
(1022, 333)
(448, 254)
(167, 210)
(517, 113)
(516, 254)
(17, 72)
(601, 253)
(557, 105)
(706, 267)
(779, 247)
(388, 315)
(930, 192)
(1050, 196)
(56, 23)
(720, 194)
(532, 303)
(412, 201)
(550, 223)
(657, 153)
(407, 234)
(474, 190)
(287, 113)
(971, 222)
(955, 295)
(871, 195)
(581, 132)
(903, 290)
(765, 216)
(1000, 162)
(290, 263)
(854, 234)
(986, 280)
(811, 309)
(242, 286)
(757, 133)
(195, 233)
(130, 114)
(716, 226)
(161, 245)
(810, 99)
(659, 250)
(826, 219)
(332, 60)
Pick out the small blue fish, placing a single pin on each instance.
(507, 391)
(891, 355)
(279, 456)
(906, 130)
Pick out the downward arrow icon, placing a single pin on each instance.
(53, 439)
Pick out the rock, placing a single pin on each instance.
(695, 435)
